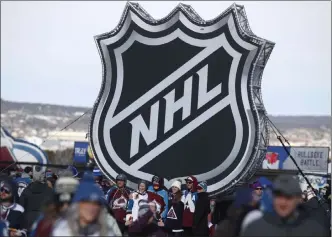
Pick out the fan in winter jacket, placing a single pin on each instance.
(64, 191)
(117, 198)
(202, 210)
(189, 198)
(161, 200)
(35, 196)
(175, 211)
(11, 212)
(87, 215)
(146, 223)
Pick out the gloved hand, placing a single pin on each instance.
(310, 194)
(14, 232)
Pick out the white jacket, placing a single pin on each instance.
(136, 198)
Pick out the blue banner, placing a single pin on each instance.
(275, 157)
(81, 152)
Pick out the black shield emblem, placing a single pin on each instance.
(180, 96)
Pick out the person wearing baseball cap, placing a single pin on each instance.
(189, 199)
(287, 219)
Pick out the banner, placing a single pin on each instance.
(81, 152)
(309, 159)
(275, 157)
(19, 150)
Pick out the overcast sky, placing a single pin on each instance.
(48, 53)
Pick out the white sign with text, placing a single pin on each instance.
(309, 159)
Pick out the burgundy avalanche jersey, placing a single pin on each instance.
(118, 201)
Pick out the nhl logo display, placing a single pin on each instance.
(180, 96)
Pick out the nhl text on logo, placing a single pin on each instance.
(177, 98)
(149, 134)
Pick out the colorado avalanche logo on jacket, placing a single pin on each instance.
(189, 198)
(118, 201)
(22, 183)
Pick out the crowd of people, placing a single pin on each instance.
(37, 202)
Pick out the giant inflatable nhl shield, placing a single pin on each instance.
(181, 96)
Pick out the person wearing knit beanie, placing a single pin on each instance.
(11, 212)
(253, 214)
(202, 210)
(174, 218)
(88, 192)
(202, 187)
(258, 189)
(177, 184)
(87, 214)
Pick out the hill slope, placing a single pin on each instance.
(34, 119)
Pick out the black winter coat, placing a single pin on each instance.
(202, 210)
(231, 226)
(14, 216)
(174, 215)
(33, 199)
(314, 209)
(272, 225)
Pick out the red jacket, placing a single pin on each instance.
(118, 201)
(44, 227)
